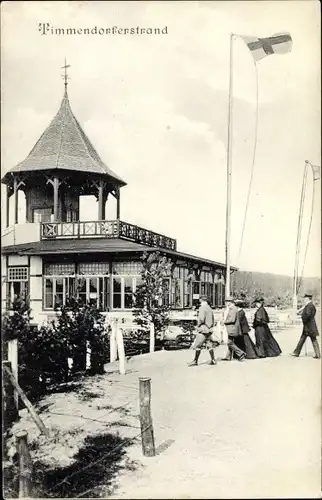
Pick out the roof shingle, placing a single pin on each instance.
(64, 145)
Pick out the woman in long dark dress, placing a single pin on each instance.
(243, 341)
(266, 345)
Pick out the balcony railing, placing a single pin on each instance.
(106, 229)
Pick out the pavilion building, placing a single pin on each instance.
(54, 254)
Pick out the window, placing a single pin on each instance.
(18, 274)
(117, 293)
(90, 282)
(221, 294)
(82, 289)
(104, 293)
(124, 288)
(56, 291)
(166, 292)
(128, 293)
(94, 268)
(17, 290)
(187, 300)
(41, 215)
(93, 291)
(132, 268)
(17, 284)
(216, 298)
(49, 293)
(176, 293)
(59, 269)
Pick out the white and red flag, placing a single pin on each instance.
(262, 47)
(316, 169)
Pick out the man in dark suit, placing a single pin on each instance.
(309, 327)
(231, 324)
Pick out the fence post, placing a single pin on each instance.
(152, 337)
(113, 346)
(26, 402)
(147, 435)
(13, 358)
(25, 465)
(88, 355)
(120, 348)
(11, 413)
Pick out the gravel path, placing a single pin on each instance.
(235, 430)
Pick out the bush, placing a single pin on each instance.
(149, 298)
(44, 352)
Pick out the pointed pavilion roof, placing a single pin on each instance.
(64, 145)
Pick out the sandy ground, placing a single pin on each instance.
(235, 430)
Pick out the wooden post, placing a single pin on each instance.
(88, 355)
(118, 204)
(113, 346)
(147, 435)
(13, 358)
(11, 413)
(56, 187)
(120, 348)
(26, 402)
(15, 191)
(152, 337)
(8, 206)
(100, 199)
(25, 465)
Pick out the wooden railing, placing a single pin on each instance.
(106, 229)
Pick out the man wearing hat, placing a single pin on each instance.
(231, 325)
(310, 328)
(204, 331)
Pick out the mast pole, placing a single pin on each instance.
(229, 169)
(298, 241)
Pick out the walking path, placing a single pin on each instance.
(235, 430)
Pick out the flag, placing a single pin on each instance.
(262, 47)
(316, 169)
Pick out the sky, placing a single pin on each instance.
(156, 109)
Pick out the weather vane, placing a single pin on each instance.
(65, 75)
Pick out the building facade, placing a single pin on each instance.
(54, 255)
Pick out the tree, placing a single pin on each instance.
(77, 325)
(150, 305)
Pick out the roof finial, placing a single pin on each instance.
(65, 75)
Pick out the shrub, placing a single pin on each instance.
(150, 305)
(44, 352)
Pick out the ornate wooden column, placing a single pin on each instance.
(7, 206)
(56, 193)
(101, 204)
(15, 191)
(118, 203)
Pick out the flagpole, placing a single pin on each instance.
(229, 168)
(298, 241)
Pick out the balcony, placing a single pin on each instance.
(105, 229)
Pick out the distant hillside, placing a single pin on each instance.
(273, 287)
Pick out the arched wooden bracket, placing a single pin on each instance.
(54, 180)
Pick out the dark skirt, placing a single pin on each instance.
(245, 343)
(266, 345)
